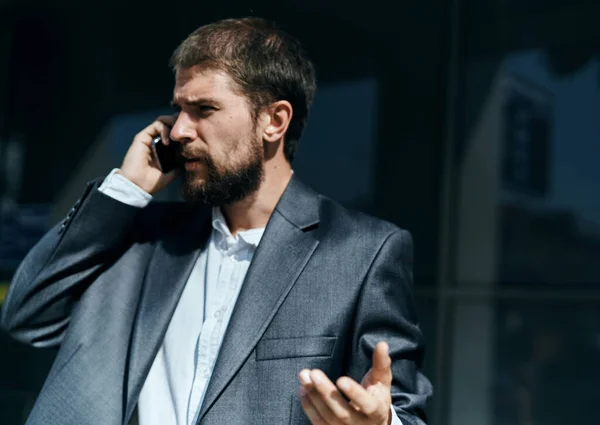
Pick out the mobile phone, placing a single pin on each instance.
(165, 156)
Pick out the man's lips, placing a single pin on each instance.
(193, 163)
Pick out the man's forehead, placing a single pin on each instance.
(200, 82)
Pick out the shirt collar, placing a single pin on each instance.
(250, 237)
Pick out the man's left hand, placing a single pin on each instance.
(370, 400)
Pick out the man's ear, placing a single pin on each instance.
(278, 120)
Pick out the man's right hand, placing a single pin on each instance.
(139, 165)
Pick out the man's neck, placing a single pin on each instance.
(254, 211)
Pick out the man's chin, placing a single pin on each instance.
(197, 174)
(194, 191)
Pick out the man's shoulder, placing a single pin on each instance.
(353, 222)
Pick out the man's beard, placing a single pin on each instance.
(223, 187)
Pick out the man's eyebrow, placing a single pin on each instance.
(202, 101)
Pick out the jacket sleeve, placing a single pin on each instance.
(58, 269)
(386, 312)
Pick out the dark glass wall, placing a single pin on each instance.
(524, 286)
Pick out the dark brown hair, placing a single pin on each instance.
(266, 63)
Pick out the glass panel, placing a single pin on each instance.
(546, 369)
(336, 159)
(528, 204)
(525, 362)
(528, 217)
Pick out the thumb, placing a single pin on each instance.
(382, 365)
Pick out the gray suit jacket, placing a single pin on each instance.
(325, 286)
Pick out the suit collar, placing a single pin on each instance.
(299, 204)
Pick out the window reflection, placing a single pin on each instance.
(550, 211)
(526, 321)
(546, 369)
(529, 209)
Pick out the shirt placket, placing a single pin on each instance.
(212, 329)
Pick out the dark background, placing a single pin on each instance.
(473, 124)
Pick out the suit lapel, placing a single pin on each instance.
(167, 274)
(282, 254)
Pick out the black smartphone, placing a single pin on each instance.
(166, 156)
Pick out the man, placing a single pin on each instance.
(257, 301)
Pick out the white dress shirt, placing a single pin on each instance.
(176, 384)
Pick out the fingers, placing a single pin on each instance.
(359, 396)
(324, 404)
(164, 135)
(326, 400)
(382, 365)
(168, 121)
(304, 377)
(162, 126)
(310, 409)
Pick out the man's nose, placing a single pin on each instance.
(183, 130)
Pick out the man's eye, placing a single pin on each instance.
(205, 109)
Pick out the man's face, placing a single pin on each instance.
(217, 137)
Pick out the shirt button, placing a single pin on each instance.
(217, 314)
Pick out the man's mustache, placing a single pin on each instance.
(194, 155)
